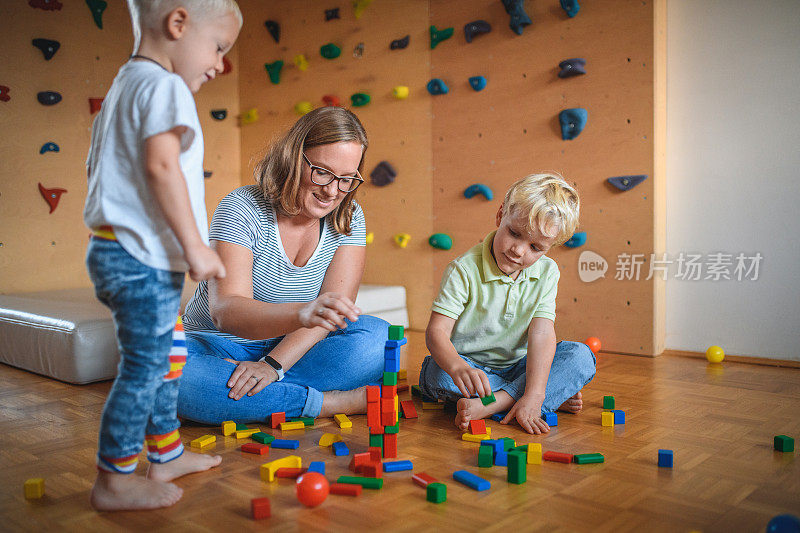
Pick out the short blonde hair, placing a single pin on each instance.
(548, 202)
(279, 171)
(148, 14)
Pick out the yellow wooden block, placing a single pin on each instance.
(396, 409)
(228, 427)
(469, 437)
(403, 374)
(343, 421)
(242, 433)
(607, 418)
(205, 440)
(534, 453)
(34, 488)
(329, 438)
(287, 426)
(432, 405)
(267, 470)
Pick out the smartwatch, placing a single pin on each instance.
(276, 366)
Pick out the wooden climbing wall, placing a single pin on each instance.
(39, 250)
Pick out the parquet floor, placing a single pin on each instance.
(720, 421)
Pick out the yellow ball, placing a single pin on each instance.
(715, 354)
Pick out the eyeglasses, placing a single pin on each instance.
(325, 176)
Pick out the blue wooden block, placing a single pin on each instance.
(391, 365)
(397, 466)
(396, 344)
(551, 419)
(665, 458)
(317, 466)
(496, 444)
(619, 416)
(471, 480)
(340, 448)
(285, 444)
(391, 353)
(501, 458)
(497, 417)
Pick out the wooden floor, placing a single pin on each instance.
(719, 420)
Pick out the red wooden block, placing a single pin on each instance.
(277, 419)
(290, 472)
(557, 457)
(477, 427)
(256, 448)
(376, 430)
(373, 393)
(345, 489)
(390, 445)
(389, 391)
(359, 460)
(375, 454)
(373, 414)
(387, 418)
(409, 411)
(260, 508)
(402, 387)
(387, 404)
(422, 479)
(372, 469)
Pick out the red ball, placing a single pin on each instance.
(593, 343)
(312, 489)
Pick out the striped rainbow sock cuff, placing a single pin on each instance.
(164, 448)
(177, 354)
(118, 465)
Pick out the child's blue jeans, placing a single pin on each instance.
(572, 369)
(345, 360)
(144, 303)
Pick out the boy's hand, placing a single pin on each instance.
(528, 412)
(328, 311)
(470, 380)
(249, 378)
(204, 263)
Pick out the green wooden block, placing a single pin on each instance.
(240, 427)
(784, 443)
(306, 420)
(522, 448)
(392, 429)
(437, 492)
(263, 438)
(486, 400)
(390, 378)
(376, 441)
(586, 458)
(485, 457)
(415, 390)
(517, 463)
(366, 482)
(396, 333)
(508, 444)
(608, 402)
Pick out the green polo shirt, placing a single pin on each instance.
(491, 310)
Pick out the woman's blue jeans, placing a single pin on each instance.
(346, 359)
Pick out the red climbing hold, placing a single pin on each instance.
(47, 5)
(226, 66)
(51, 196)
(95, 104)
(4, 93)
(331, 100)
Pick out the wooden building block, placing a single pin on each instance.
(277, 419)
(289, 426)
(34, 488)
(202, 442)
(343, 421)
(260, 508)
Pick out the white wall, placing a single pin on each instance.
(733, 171)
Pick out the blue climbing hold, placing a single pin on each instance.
(437, 86)
(572, 67)
(571, 7)
(626, 183)
(476, 27)
(572, 122)
(399, 44)
(578, 239)
(219, 114)
(47, 46)
(478, 188)
(519, 19)
(441, 241)
(48, 97)
(478, 83)
(784, 523)
(49, 147)
(274, 29)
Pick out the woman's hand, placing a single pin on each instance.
(528, 412)
(249, 378)
(328, 311)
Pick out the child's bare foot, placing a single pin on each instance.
(573, 405)
(128, 492)
(348, 402)
(187, 463)
(470, 409)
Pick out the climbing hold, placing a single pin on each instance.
(331, 14)
(97, 7)
(570, 6)
(441, 241)
(358, 51)
(478, 188)
(332, 100)
(370, 237)
(438, 36)
(572, 67)
(478, 83)
(219, 114)
(274, 71)
(626, 183)
(519, 19)
(578, 239)
(301, 62)
(274, 29)
(226, 66)
(783, 523)
(301, 108)
(51, 196)
(437, 86)
(399, 44)
(49, 147)
(207, 174)
(47, 46)
(359, 6)
(383, 174)
(330, 51)
(4, 97)
(48, 97)
(572, 122)
(46, 5)
(401, 239)
(400, 92)
(359, 99)
(476, 28)
(95, 104)
(249, 116)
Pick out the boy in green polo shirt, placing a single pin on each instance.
(492, 324)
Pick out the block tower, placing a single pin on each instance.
(383, 404)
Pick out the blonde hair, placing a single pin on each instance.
(149, 14)
(279, 171)
(547, 201)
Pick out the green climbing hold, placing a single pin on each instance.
(330, 51)
(274, 71)
(442, 241)
(438, 36)
(359, 99)
(97, 7)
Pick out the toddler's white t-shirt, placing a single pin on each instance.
(143, 101)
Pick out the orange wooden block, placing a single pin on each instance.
(346, 489)
(260, 508)
(290, 472)
(277, 419)
(409, 411)
(422, 479)
(372, 469)
(256, 448)
(477, 427)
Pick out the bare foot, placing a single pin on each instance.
(128, 492)
(187, 463)
(470, 409)
(348, 402)
(573, 405)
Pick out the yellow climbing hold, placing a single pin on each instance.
(301, 108)
(400, 92)
(249, 116)
(301, 62)
(401, 239)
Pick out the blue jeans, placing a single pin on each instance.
(572, 369)
(144, 303)
(346, 359)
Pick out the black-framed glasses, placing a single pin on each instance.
(322, 176)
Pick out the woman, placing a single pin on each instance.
(293, 246)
